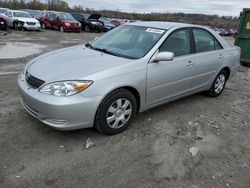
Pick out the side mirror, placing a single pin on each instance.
(163, 56)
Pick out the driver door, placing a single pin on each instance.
(9, 19)
(167, 80)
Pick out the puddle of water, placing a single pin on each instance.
(12, 50)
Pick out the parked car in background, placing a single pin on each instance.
(21, 20)
(3, 11)
(116, 23)
(88, 24)
(128, 70)
(107, 25)
(231, 32)
(60, 21)
(220, 32)
(3, 23)
(34, 13)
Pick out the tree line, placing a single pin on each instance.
(61, 5)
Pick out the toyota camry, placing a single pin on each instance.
(133, 68)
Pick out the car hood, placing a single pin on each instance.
(26, 19)
(72, 63)
(94, 16)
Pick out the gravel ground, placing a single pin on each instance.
(153, 152)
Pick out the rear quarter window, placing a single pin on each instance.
(205, 41)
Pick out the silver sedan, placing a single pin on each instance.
(128, 70)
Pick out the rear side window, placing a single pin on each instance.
(204, 41)
(178, 43)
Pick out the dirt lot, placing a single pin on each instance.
(153, 152)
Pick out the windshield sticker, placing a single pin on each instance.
(158, 31)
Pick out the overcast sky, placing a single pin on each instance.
(220, 7)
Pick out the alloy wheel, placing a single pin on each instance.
(220, 83)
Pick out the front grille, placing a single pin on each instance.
(74, 25)
(33, 81)
(31, 23)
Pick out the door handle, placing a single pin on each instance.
(189, 63)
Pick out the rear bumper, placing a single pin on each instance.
(62, 113)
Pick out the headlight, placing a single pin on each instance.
(65, 88)
(80, 25)
(94, 23)
(67, 24)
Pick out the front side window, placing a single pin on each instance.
(178, 43)
(204, 41)
(131, 42)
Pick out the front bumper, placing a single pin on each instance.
(62, 113)
(2, 24)
(72, 28)
(32, 27)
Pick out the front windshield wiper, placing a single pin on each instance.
(88, 45)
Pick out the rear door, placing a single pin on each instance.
(209, 57)
(170, 79)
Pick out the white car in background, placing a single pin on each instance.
(3, 11)
(22, 20)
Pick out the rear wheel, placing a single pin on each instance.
(116, 112)
(218, 84)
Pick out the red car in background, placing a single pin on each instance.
(61, 21)
(116, 22)
(3, 24)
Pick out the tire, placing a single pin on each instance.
(15, 25)
(87, 29)
(43, 26)
(218, 84)
(116, 112)
(61, 29)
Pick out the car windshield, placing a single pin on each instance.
(35, 14)
(131, 42)
(22, 15)
(3, 10)
(65, 16)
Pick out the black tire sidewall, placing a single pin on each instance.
(212, 92)
(100, 120)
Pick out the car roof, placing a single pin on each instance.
(19, 11)
(160, 25)
(57, 12)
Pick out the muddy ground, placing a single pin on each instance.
(153, 152)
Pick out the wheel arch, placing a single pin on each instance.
(227, 70)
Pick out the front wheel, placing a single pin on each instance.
(43, 26)
(61, 29)
(218, 84)
(116, 112)
(87, 29)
